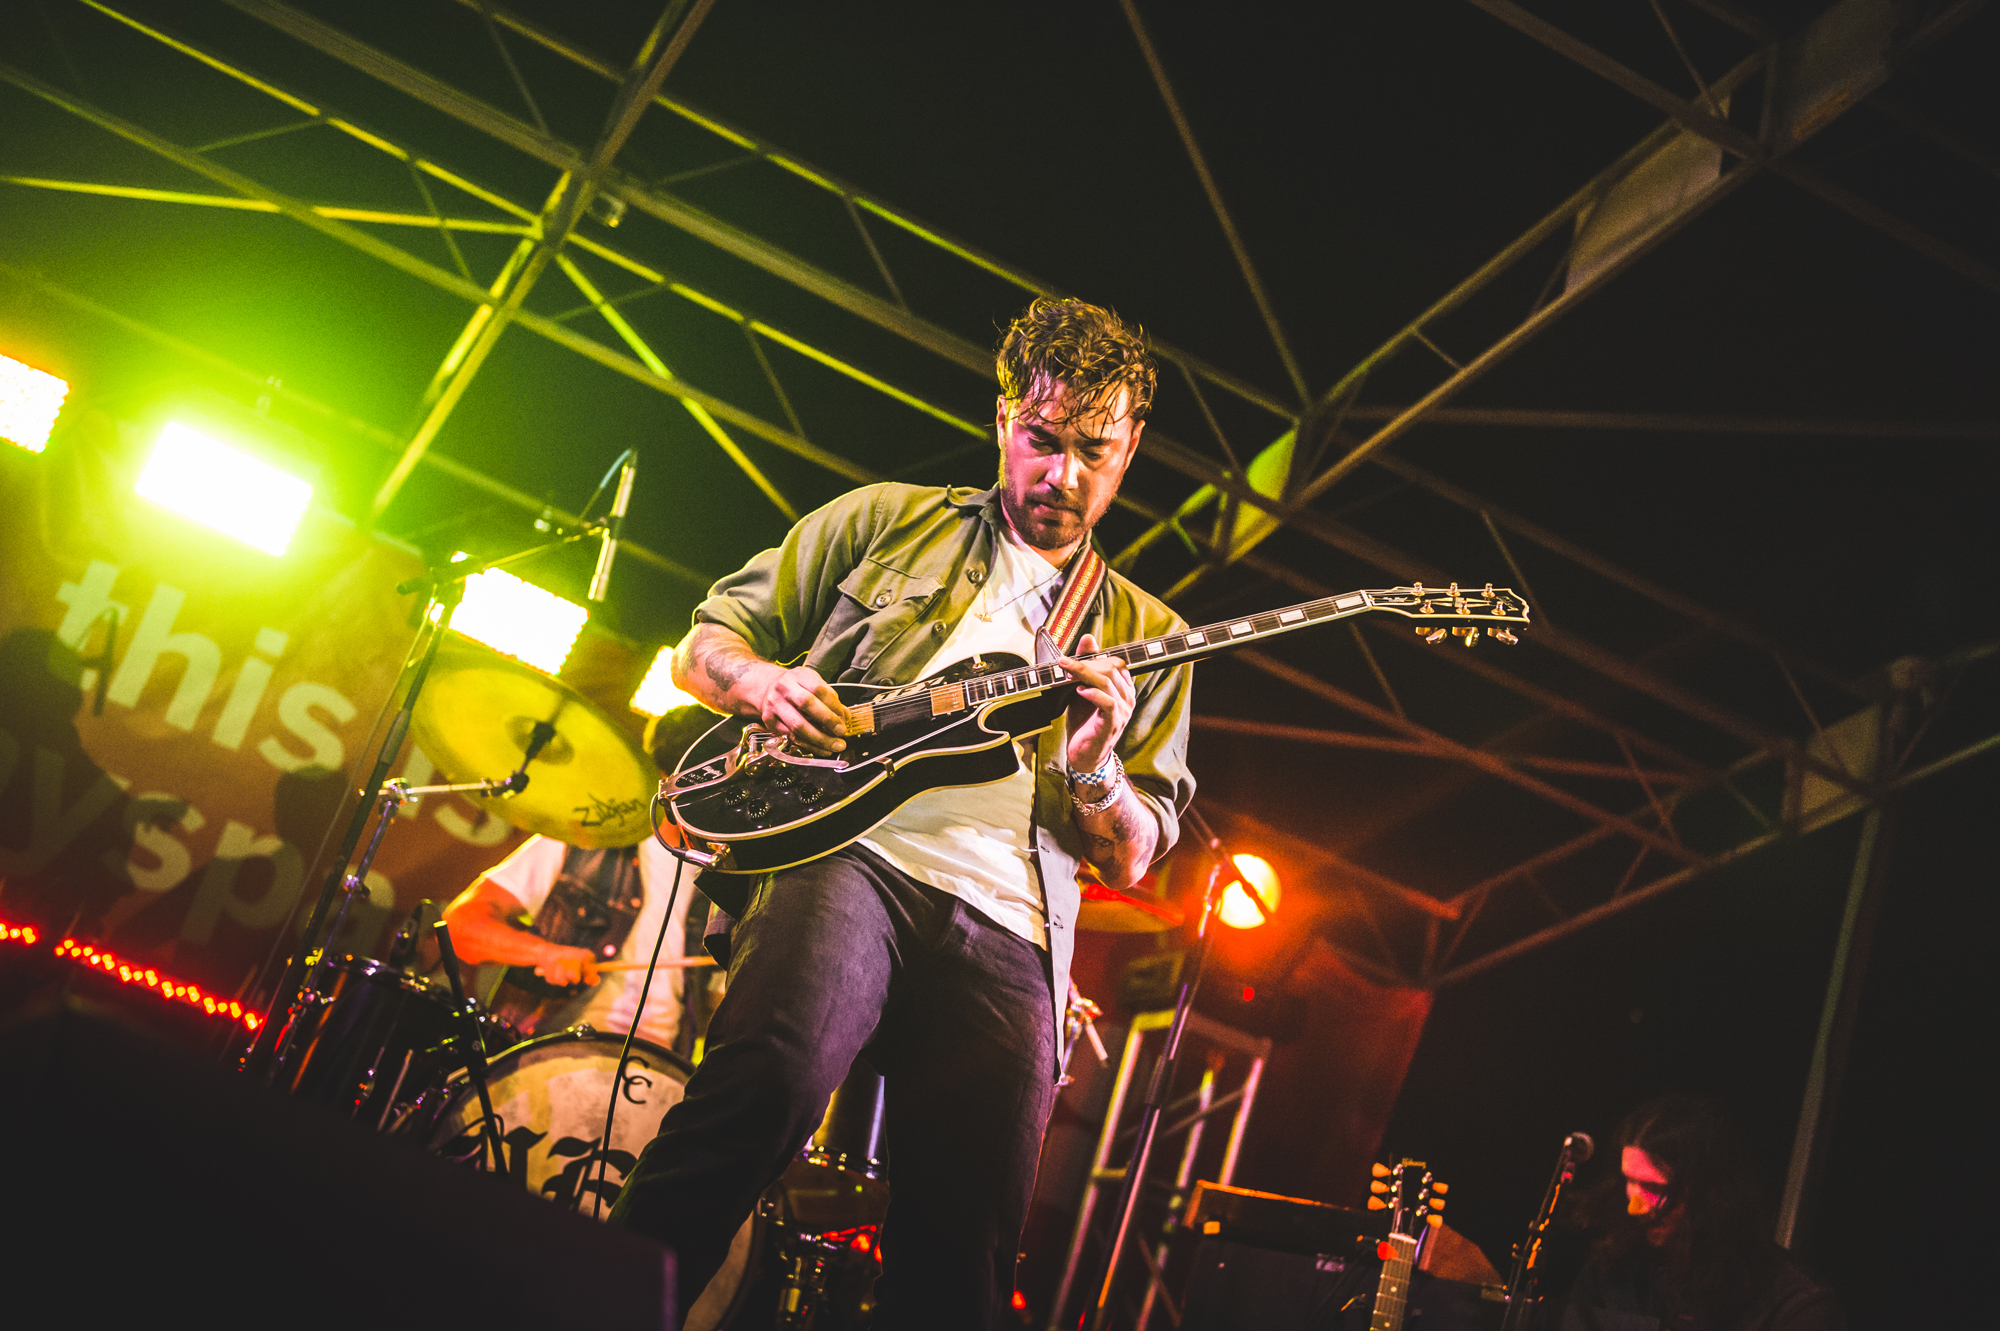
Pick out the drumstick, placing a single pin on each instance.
(677, 963)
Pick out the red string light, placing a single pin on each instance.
(129, 972)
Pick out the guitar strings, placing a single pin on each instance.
(986, 688)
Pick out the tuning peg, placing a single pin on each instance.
(1471, 635)
(1434, 637)
(1434, 1220)
(1437, 1203)
(1504, 636)
(1489, 591)
(1377, 1204)
(1440, 1188)
(1378, 1186)
(1379, 1170)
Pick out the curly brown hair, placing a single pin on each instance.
(1085, 347)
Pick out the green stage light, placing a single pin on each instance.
(518, 618)
(29, 401)
(657, 693)
(221, 488)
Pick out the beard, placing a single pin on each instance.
(1046, 522)
(1045, 517)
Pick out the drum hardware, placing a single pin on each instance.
(464, 1014)
(826, 1212)
(368, 1023)
(444, 588)
(475, 1066)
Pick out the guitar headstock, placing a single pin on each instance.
(1410, 1195)
(1455, 610)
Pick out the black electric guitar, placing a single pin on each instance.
(1411, 1207)
(757, 803)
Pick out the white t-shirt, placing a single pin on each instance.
(973, 841)
(528, 875)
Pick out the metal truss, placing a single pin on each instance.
(1684, 810)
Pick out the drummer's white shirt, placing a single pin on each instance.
(973, 841)
(528, 875)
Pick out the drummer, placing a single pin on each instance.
(555, 915)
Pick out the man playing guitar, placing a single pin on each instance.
(937, 943)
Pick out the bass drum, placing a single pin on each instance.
(550, 1096)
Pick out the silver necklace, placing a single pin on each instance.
(986, 615)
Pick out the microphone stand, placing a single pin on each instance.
(1164, 1066)
(445, 587)
(1576, 1148)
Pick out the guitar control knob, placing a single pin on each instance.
(754, 809)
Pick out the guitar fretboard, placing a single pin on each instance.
(1152, 654)
(1393, 1293)
(1432, 605)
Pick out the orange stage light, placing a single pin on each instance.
(1238, 910)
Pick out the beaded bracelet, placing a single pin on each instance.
(1111, 780)
(1099, 776)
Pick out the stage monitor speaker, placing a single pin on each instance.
(147, 1186)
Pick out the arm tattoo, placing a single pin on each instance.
(721, 672)
(1102, 845)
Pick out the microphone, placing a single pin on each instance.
(1580, 1146)
(614, 530)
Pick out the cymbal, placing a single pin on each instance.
(590, 786)
(1106, 910)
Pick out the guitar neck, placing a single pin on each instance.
(1392, 1296)
(1195, 643)
(1434, 608)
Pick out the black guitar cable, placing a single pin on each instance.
(645, 989)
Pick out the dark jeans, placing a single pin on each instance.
(832, 959)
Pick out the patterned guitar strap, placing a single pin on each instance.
(1058, 637)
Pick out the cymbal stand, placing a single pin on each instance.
(1163, 1068)
(397, 793)
(445, 587)
(475, 1047)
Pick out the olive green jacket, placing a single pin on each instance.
(868, 588)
